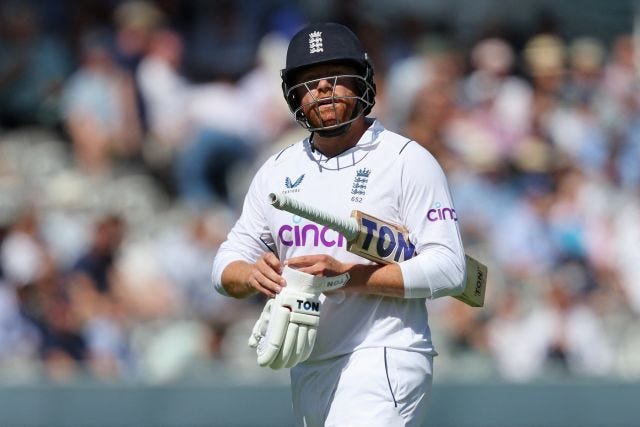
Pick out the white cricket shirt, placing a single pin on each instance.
(385, 175)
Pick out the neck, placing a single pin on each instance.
(332, 146)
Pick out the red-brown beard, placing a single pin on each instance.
(330, 114)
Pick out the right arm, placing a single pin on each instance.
(241, 279)
(242, 266)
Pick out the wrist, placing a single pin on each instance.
(360, 275)
(376, 279)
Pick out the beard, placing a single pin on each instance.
(327, 113)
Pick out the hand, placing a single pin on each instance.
(318, 265)
(265, 275)
(285, 333)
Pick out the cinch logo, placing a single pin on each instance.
(309, 234)
(388, 242)
(439, 213)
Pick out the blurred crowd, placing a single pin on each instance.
(129, 132)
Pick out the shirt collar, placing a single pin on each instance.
(368, 141)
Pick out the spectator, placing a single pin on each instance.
(43, 302)
(33, 66)
(575, 126)
(94, 300)
(498, 102)
(164, 90)
(99, 107)
(98, 260)
(435, 59)
(135, 21)
(23, 254)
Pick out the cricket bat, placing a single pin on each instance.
(381, 241)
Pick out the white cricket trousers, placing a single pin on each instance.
(371, 387)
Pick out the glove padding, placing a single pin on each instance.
(285, 333)
(260, 328)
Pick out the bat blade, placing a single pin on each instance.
(475, 283)
(380, 241)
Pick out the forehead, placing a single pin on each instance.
(324, 70)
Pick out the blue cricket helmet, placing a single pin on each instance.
(325, 43)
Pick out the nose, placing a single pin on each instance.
(325, 85)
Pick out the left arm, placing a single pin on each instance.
(427, 211)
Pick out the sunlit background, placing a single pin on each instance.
(129, 133)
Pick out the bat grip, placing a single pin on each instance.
(348, 227)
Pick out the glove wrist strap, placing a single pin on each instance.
(309, 283)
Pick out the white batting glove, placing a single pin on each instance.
(285, 333)
(260, 328)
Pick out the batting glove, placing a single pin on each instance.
(285, 333)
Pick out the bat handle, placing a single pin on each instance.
(348, 227)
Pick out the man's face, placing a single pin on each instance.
(327, 98)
